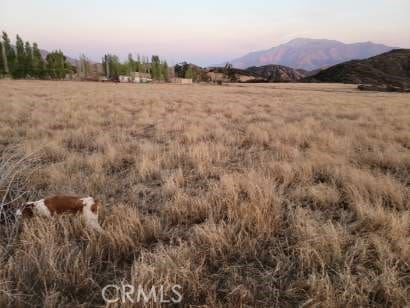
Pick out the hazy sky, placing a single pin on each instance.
(203, 32)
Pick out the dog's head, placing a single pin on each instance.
(26, 210)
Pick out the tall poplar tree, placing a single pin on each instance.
(165, 71)
(28, 63)
(112, 66)
(20, 71)
(2, 69)
(155, 68)
(131, 64)
(10, 55)
(38, 62)
(84, 66)
(138, 64)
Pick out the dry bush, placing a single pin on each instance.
(250, 195)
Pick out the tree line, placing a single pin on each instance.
(156, 68)
(24, 60)
(190, 71)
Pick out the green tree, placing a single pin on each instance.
(112, 66)
(124, 68)
(38, 62)
(28, 63)
(186, 70)
(2, 69)
(229, 72)
(155, 68)
(57, 66)
(9, 55)
(131, 65)
(180, 69)
(20, 69)
(138, 65)
(189, 73)
(165, 70)
(144, 68)
(106, 66)
(84, 66)
(115, 66)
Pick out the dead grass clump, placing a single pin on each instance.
(80, 141)
(320, 245)
(171, 266)
(318, 196)
(379, 188)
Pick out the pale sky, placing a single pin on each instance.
(202, 32)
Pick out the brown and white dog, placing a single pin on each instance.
(87, 207)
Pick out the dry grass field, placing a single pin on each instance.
(244, 195)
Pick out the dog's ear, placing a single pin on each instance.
(95, 206)
(27, 209)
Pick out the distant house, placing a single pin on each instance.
(215, 76)
(124, 78)
(182, 80)
(137, 77)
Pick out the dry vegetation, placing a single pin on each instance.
(260, 195)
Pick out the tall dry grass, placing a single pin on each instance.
(262, 195)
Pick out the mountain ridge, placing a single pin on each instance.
(388, 69)
(277, 73)
(310, 54)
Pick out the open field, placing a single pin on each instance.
(260, 195)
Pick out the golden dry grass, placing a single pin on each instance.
(259, 195)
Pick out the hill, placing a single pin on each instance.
(232, 75)
(277, 73)
(391, 68)
(310, 54)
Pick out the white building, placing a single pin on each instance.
(182, 80)
(138, 77)
(123, 78)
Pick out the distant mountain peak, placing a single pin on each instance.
(310, 54)
(300, 41)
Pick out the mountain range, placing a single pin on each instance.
(310, 54)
